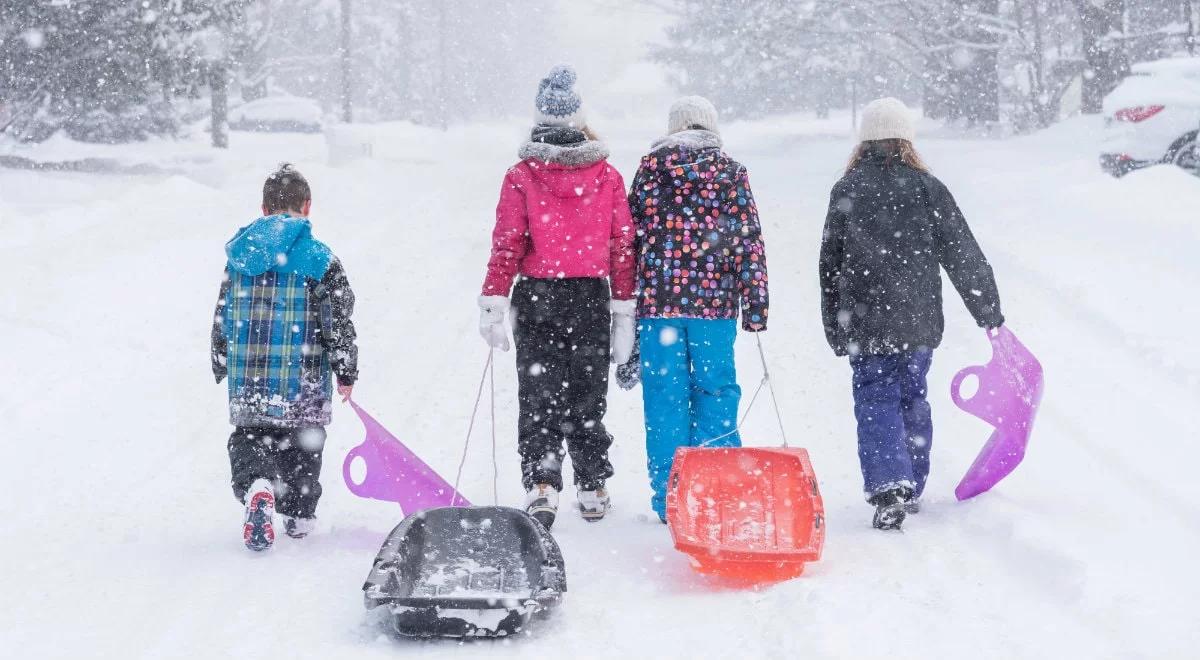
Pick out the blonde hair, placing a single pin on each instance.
(589, 133)
(892, 148)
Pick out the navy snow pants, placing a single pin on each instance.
(895, 429)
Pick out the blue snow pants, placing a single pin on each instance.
(895, 429)
(689, 391)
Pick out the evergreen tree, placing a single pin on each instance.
(91, 68)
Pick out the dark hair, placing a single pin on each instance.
(285, 190)
(892, 149)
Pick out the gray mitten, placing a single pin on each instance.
(629, 373)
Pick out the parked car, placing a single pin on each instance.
(277, 114)
(1152, 117)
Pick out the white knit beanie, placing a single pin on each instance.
(886, 119)
(692, 111)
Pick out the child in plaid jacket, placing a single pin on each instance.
(281, 332)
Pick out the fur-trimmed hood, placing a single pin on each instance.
(694, 140)
(573, 155)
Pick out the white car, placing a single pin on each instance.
(1152, 117)
(277, 114)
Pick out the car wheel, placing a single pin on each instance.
(1184, 153)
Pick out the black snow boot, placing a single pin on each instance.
(890, 508)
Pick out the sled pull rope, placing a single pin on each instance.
(495, 464)
(766, 381)
(771, 386)
(488, 369)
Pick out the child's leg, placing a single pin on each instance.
(882, 450)
(587, 385)
(918, 422)
(666, 399)
(299, 462)
(542, 357)
(714, 390)
(251, 457)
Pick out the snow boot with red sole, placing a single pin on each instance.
(258, 528)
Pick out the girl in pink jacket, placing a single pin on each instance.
(563, 226)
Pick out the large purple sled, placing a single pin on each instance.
(1009, 392)
(395, 473)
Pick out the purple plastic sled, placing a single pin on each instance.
(1010, 389)
(395, 474)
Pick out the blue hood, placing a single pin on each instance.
(281, 243)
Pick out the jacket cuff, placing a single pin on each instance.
(623, 307)
(754, 316)
(347, 380)
(493, 302)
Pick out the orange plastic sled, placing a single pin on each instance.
(746, 513)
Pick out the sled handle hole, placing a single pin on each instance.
(968, 387)
(358, 470)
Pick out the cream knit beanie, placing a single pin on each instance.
(692, 111)
(885, 119)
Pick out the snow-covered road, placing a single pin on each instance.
(121, 539)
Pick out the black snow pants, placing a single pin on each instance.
(288, 458)
(562, 336)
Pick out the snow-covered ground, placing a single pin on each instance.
(121, 538)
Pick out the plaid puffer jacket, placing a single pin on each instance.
(282, 326)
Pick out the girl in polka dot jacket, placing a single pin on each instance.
(701, 260)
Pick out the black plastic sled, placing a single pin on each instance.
(480, 571)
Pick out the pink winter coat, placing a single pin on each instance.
(562, 213)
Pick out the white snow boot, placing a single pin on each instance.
(541, 502)
(593, 504)
(258, 527)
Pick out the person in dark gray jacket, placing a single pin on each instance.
(891, 227)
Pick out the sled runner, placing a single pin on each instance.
(1010, 390)
(746, 513)
(481, 571)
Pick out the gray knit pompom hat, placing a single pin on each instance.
(558, 104)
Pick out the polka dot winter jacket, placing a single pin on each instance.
(699, 242)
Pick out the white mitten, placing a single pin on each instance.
(492, 313)
(624, 330)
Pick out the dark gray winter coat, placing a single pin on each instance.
(888, 230)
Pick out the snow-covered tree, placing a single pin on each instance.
(206, 39)
(964, 60)
(1039, 61)
(92, 68)
(1102, 26)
